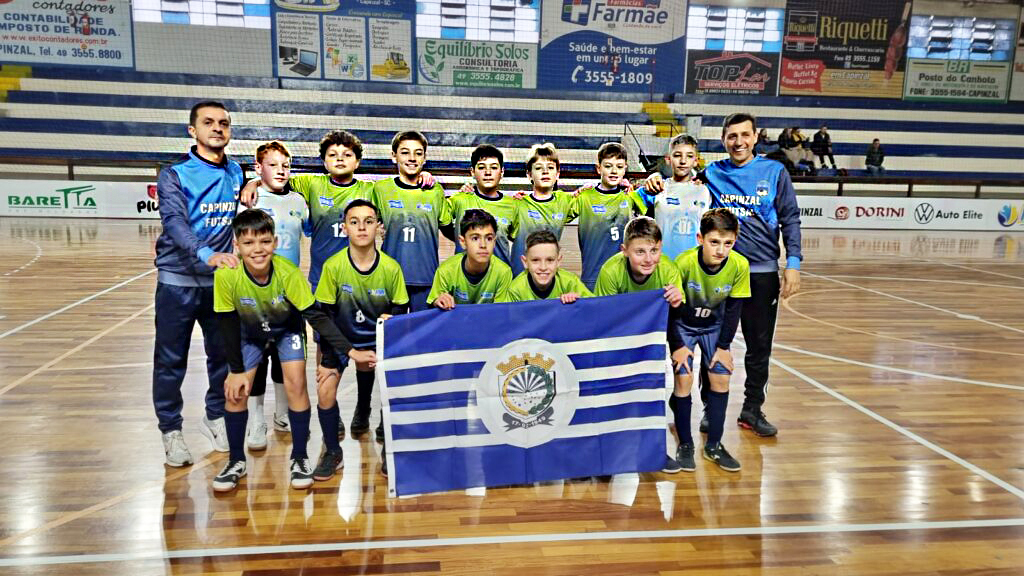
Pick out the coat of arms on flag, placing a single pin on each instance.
(499, 394)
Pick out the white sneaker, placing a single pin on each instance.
(301, 473)
(176, 452)
(256, 436)
(216, 432)
(228, 478)
(281, 423)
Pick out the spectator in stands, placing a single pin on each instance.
(875, 157)
(765, 145)
(822, 146)
(793, 145)
(785, 140)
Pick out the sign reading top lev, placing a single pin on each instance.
(620, 45)
(843, 48)
(67, 32)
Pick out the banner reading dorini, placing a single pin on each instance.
(67, 32)
(524, 392)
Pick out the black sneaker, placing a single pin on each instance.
(330, 463)
(704, 424)
(228, 478)
(684, 457)
(301, 475)
(756, 423)
(360, 423)
(671, 466)
(341, 429)
(380, 430)
(720, 456)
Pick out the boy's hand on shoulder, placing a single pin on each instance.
(654, 184)
(222, 260)
(468, 188)
(250, 193)
(583, 187)
(569, 297)
(236, 386)
(367, 357)
(519, 194)
(426, 180)
(445, 301)
(324, 375)
(673, 295)
(682, 361)
(723, 357)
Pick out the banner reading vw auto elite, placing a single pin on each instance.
(77, 199)
(911, 213)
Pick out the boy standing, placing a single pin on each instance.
(543, 208)
(259, 304)
(603, 211)
(411, 217)
(197, 201)
(639, 266)
(678, 209)
(475, 276)
(544, 277)
(360, 284)
(715, 282)
(487, 166)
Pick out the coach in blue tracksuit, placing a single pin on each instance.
(198, 199)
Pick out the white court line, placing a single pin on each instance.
(909, 301)
(512, 539)
(896, 427)
(894, 369)
(72, 305)
(983, 271)
(39, 254)
(932, 280)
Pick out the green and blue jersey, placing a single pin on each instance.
(357, 299)
(267, 311)
(411, 217)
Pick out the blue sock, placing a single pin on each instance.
(717, 401)
(235, 423)
(681, 410)
(300, 432)
(329, 419)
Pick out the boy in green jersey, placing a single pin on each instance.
(641, 266)
(603, 211)
(543, 208)
(411, 216)
(715, 282)
(261, 304)
(543, 277)
(475, 276)
(360, 285)
(487, 166)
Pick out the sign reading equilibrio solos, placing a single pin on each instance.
(843, 48)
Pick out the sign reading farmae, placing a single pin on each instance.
(67, 32)
(621, 45)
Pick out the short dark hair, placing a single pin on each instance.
(262, 150)
(720, 219)
(357, 203)
(194, 114)
(408, 135)
(486, 151)
(476, 218)
(642, 227)
(341, 138)
(252, 221)
(739, 118)
(541, 237)
(611, 150)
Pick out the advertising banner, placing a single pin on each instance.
(78, 199)
(1017, 85)
(843, 48)
(613, 45)
(721, 72)
(469, 63)
(957, 80)
(67, 32)
(911, 213)
(355, 40)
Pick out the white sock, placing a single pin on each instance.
(256, 406)
(280, 399)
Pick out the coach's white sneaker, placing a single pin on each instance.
(216, 432)
(281, 422)
(256, 436)
(176, 452)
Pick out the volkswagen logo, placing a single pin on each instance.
(924, 213)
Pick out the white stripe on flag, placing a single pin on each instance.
(654, 367)
(567, 348)
(460, 413)
(477, 440)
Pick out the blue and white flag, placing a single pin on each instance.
(499, 394)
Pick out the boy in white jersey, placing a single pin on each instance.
(291, 220)
(679, 207)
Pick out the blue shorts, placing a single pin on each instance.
(290, 346)
(708, 343)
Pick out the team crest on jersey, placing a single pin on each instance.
(247, 302)
(533, 214)
(503, 221)
(425, 206)
(346, 288)
(672, 201)
(487, 295)
(762, 187)
(558, 216)
(723, 289)
(269, 211)
(624, 204)
(696, 287)
(279, 299)
(598, 208)
(396, 204)
(327, 201)
(461, 294)
(377, 292)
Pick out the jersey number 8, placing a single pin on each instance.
(360, 317)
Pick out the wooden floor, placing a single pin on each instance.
(897, 388)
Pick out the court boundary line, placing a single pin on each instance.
(39, 254)
(983, 271)
(535, 538)
(49, 315)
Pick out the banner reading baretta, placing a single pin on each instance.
(620, 45)
(843, 48)
(67, 32)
